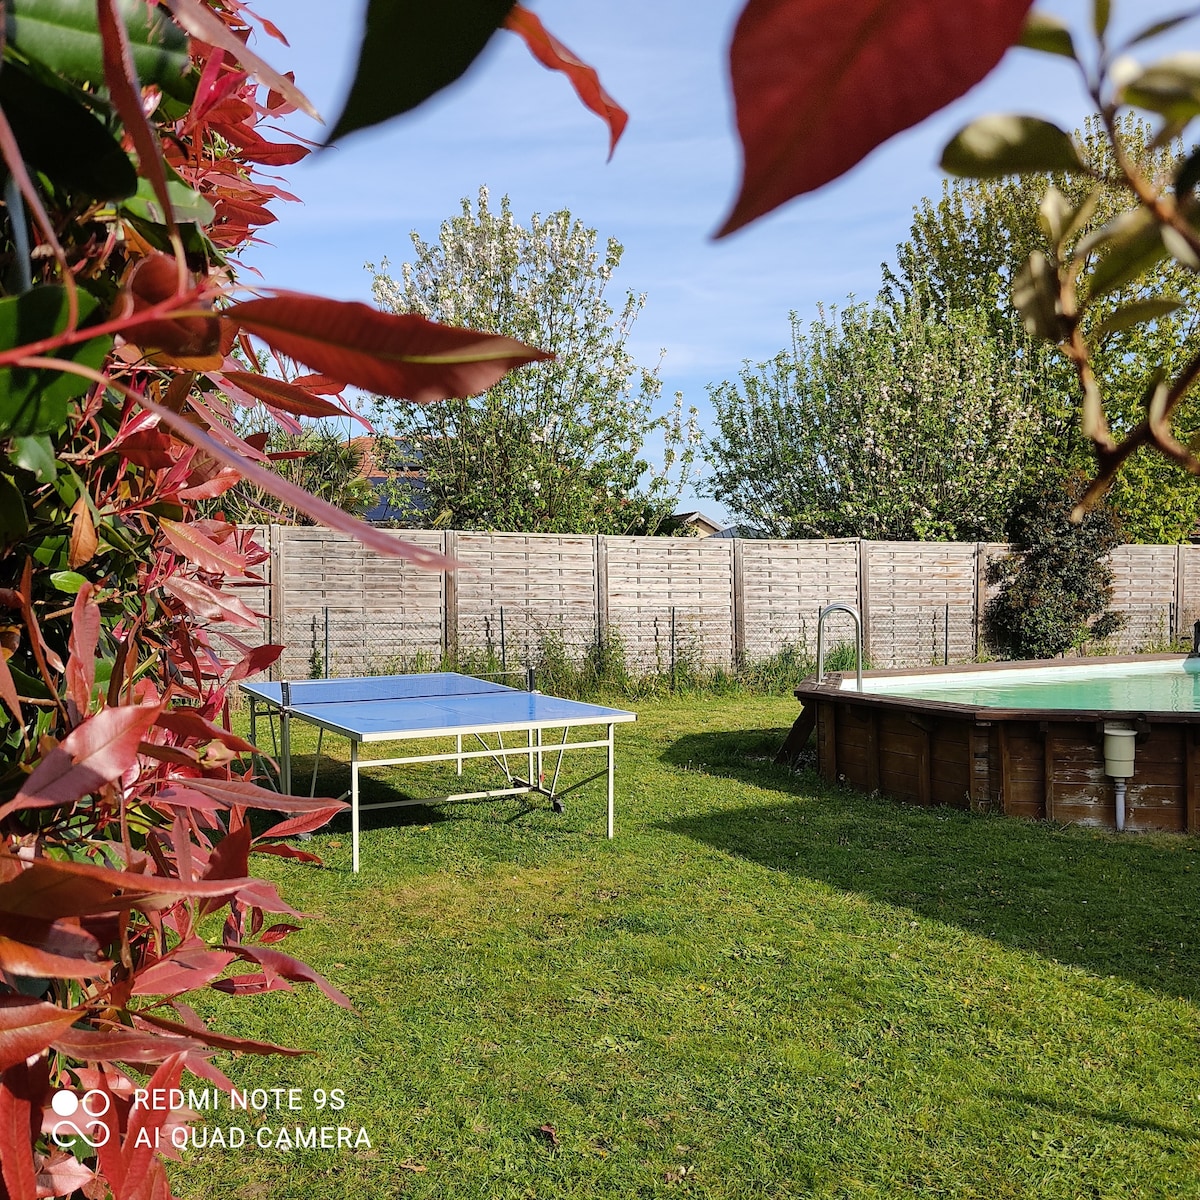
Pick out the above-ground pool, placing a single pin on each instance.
(1021, 738)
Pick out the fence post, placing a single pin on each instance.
(672, 647)
(450, 599)
(946, 637)
(739, 608)
(980, 593)
(503, 646)
(601, 554)
(864, 594)
(1177, 630)
(326, 659)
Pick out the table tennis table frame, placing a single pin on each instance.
(534, 752)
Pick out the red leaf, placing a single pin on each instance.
(85, 635)
(38, 949)
(319, 383)
(212, 487)
(203, 551)
(208, 603)
(50, 889)
(239, 791)
(551, 53)
(153, 281)
(276, 933)
(282, 850)
(149, 449)
(123, 1045)
(138, 1148)
(404, 356)
(17, 1132)
(304, 823)
(188, 723)
(121, 77)
(274, 962)
(63, 1175)
(28, 1026)
(283, 395)
(182, 970)
(94, 753)
(818, 84)
(220, 1040)
(230, 859)
(251, 983)
(8, 690)
(259, 659)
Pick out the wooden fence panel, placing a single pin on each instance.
(650, 577)
(707, 601)
(1188, 589)
(922, 602)
(545, 584)
(1144, 591)
(784, 584)
(383, 613)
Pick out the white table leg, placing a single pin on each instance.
(611, 758)
(354, 800)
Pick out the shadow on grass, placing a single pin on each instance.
(1123, 905)
(333, 780)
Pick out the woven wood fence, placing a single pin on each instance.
(716, 602)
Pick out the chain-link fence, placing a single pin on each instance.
(672, 647)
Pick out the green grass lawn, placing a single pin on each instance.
(762, 987)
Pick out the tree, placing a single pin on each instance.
(886, 422)
(317, 460)
(555, 448)
(1055, 588)
(968, 249)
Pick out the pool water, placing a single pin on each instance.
(1164, 686)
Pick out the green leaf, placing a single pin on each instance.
(1180, 248)
(1010, 145)
(14, 521)
(1188, 175)
(1170, 87)
(1163, 26)
(1054, 213)
(64, 36)
(67, 581)
(1035, 295)
(188, 205)
(412, 49)
(1135, 314)
(59, 136)
(1048, 34)
(35, 402)
(35, 454)
(1101, 11)
(1134, 246)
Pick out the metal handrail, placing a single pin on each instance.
(852, 609)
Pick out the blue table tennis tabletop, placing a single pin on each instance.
(377, 708)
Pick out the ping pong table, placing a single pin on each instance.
(404, 708)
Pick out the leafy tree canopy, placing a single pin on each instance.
(1055, 588)
(556, 448)
(933, 412)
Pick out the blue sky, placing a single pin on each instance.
(520, 129)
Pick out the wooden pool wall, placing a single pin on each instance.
(1030, 764)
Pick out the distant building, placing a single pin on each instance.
(694, 524)
(407, 467)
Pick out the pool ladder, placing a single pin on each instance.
(852, 609)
